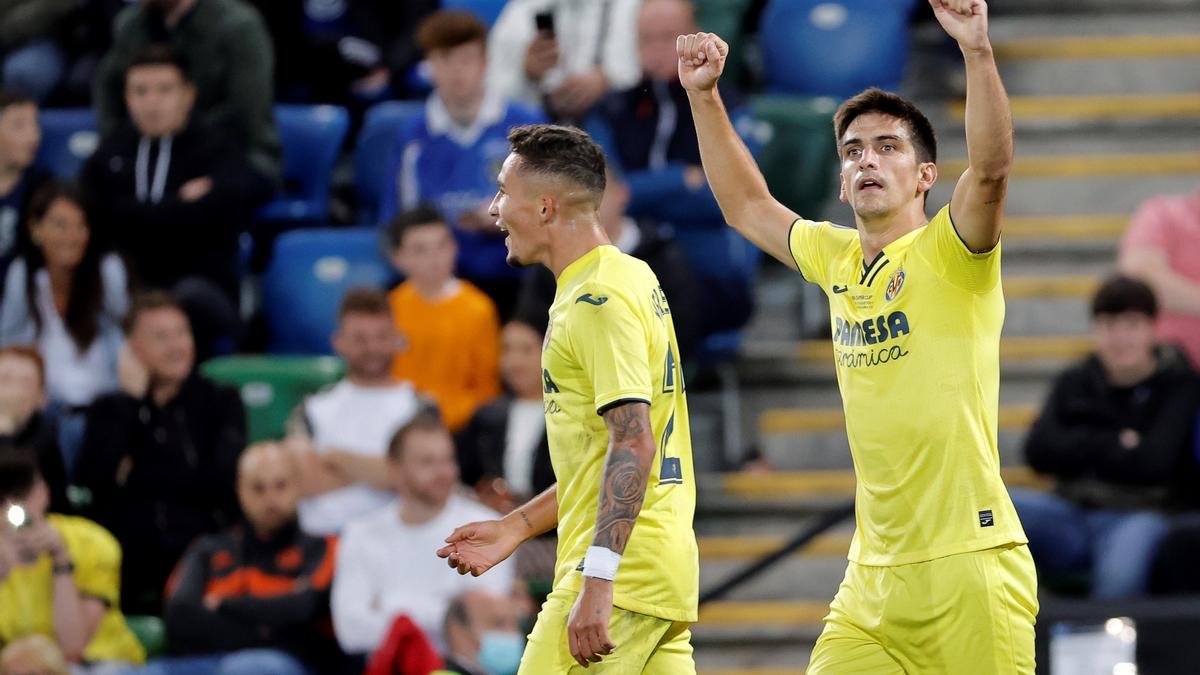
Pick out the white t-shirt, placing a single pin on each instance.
(386, 568)
(72, 377)
(355, 419)
(526, 429)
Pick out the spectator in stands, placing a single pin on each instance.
(503, 452)
(20, 136)
(1115, 434)
(567, 61)
(383, 568)
(340, 436)
(449, 331)
(58, 575)
(172, 193)
(482, 635)
(160, 456)
(32, 33)
(228, 49)
(253, 598)
(646, 240)
(24, 424)
(33, 655)
(1162, 248)
(449, 154)
(67, 298)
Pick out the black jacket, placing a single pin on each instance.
(482, 444)
(1076, 437)
(169, 239)
(658, 250)
(39, 436)
(160, 476)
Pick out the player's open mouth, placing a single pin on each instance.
(869, 184)
(502, 227)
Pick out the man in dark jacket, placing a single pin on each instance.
(1116, 434)
(255, 598)
(229, 50)
(160, 456)
(173, 194)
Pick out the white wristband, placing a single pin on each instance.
(601, 563)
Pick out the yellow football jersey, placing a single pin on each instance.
(916, 341)
(611, 339)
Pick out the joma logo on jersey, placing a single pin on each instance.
(870, 332)
(894, 285)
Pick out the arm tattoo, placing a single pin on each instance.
(525, 518)
(625, 475)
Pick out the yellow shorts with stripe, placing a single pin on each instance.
(966, 613)
(644, 644)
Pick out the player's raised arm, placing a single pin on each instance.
(631, 450)
(978, 202)
(738, 185)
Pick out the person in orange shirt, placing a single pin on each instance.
(450, 329)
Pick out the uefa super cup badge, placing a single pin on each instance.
(895, 283)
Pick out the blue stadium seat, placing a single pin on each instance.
(309, 273)
(487, 10)
(312, 137)
(834, 47)
(69, 137)
(373, 149)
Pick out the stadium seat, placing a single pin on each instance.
(310, 271)
(312, 138)
(151, 632)
(799, 155)
(69, 137)
(834, 47)
(272, 386)
(373, 149)
(724, 17)
(487, 10)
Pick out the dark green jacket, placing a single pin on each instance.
(22, 21)
(229, 57)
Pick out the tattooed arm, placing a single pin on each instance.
(631, 451)
(477, 547)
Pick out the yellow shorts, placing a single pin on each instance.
(967, 613)
(645, 644)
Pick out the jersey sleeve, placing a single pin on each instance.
(611, 342)
(948, 254)
(806, 243)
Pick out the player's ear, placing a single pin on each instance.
(842, 196)
(546, 209)
(927, 175)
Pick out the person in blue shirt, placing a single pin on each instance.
(449, 155)
(20, 137)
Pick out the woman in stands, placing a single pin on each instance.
(67, 298)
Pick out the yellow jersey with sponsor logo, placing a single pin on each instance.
(916, 341)
(611, 340)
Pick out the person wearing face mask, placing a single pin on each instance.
(67, 298)
(482, 635)
(58, 577)
(160, 456)
(20, 136)
(24, 424)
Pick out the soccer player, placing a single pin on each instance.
(940, 578)
(625, 586)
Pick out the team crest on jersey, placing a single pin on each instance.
(894, 285)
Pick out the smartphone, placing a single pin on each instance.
(544, 22)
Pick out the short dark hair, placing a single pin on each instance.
(428, 418)
(149, 301)
(875, 100)
(450, 28)
(422, 215)
(27, 352)
(565, 152)
(1121, 294)
(18, 472)
(159, 54)
(364, 300)
(9, 97)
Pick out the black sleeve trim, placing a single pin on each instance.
(792, 253)
(968, 249)
(619, 402)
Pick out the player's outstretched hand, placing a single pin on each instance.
(701, 60)
(587, 627)
(478, 547)
(963, 20)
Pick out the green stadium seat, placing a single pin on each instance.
(799, 156)
(272, 386)
(725, 17)
(151, 632)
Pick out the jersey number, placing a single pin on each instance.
(671, 472)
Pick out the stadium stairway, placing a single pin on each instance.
(1107, 114)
